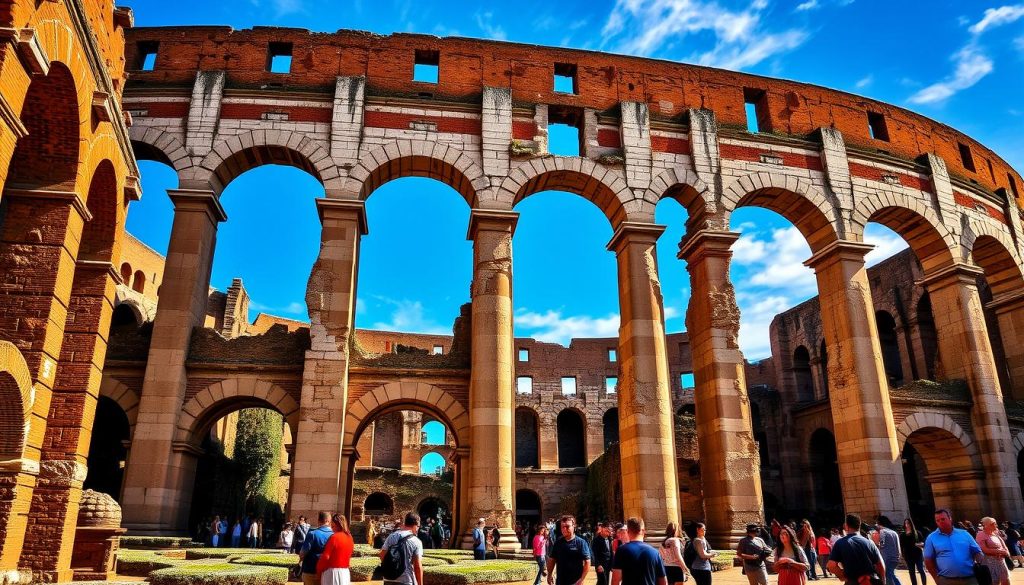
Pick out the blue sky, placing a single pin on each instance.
(961, 63)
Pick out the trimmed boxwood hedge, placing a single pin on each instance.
(158, 542)
(140, 563)
(219, 574)
(467, 572)
(361, 568)
(283, 560)
(227, 553)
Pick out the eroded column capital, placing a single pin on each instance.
(342, 209)
(198, 200)
(957, 273)
(838, 251)
(634, 232)
(491, 220)
(702, 243)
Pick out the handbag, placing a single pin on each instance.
(983, 574)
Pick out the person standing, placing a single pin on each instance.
(806, 538)
(424, 535)
(950, 553)
(701, 567)
(215, 532)
(601, 550)
(911, 545)
(997, 554)
(790, 559)
(672, 555)
(540, 554)
(855, 559)
(637, 563)
(1013, 542)
(412, 551)
(313, 547)
(570, 555)
(889, 546)
(823, 546)
(253, 538)
(371, 532)
(495, 540)
(236, 534)
(284, 540)
(753, 551)
(479, 541)
(334, 561)
(301, 530)
(437, 533)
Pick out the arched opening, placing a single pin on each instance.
(1006, 319)
(150, 218)
(889, 341)
(242, 472)
(124, 316)
(126, 274)
(823, 368)
(108, 448)
(927, 334)
(571, 439)
(802, 374)
(432, 464)
(529, 511)
(611, 426)
(139, 282)
(824, 470)
(527, 454)
(378, 504)
(760, 436)
(434, 433)
(12, 419)
(945, 474)
(433, 509)
(47, 156)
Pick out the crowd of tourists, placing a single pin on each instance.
(236, 532)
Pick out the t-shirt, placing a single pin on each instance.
(640, 564)
(857, 555)
(953, 553)
(539, 545)
(413, 550)
(752, 546)
(569, 557)
(889, 546)
(313, 546)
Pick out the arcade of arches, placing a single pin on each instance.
(911, 394)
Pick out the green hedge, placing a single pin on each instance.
(140, 563)
(219, 574)
(283, 560)
(450, 556)
(227, 553)
(158, 542)
(468, 572)
(361, 568)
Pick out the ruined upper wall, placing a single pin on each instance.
(466, 66)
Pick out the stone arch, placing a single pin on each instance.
(126, 274)
(103, 202)
(16, 397)
(610, 426)
(141, 312)
(418, 158)
(685, 187)
(124, 396)
(604, 187)
(139, 282)
(423, 455)
(154, 144)
(243, 152)
(804, 205)
(952, 471)
(916, 222)
(405, 396)
(379, 503)
(571, 435)
(822, 461)
(994, 252)
(933, 420)
(225, 396)
(527, 427)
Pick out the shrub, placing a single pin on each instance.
(140, 563)
(464, 573)
(361, 568)
(227, 553)
(219, 574)
(284, 560)
(449, 556)
(158, 542)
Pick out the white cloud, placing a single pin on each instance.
(864, 82)
(756, 314)
(971, 66)
(809, 5)
(646, 27)
(408, 316)
(885, 241)
(490, 30)
(778, 262)
(553, 327)
(995, 17)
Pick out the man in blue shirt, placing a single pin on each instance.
(855, 559)
(570, 554)
(313, 547)
(950, 553)
(479, 540)
(637, 563)
(889, 546)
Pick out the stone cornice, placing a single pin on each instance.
(344, 206)
(839, 250)
(196, 199)
(956, 272)
(495, 219)
(707, 243)
(633, 231)
(70, 197)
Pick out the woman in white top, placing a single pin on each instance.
(672, 555)
(254, 533)
(284, 541)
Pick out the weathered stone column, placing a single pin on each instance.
(646, 440)
(729, 460)
(319, 481)
(491, 477)
(966, 354)
(155, 498)
(69, 427)
(869, 455)
(1009, 311)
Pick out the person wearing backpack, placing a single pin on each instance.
(402, 553)
(313, 547)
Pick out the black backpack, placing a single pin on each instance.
(393, 564)
(689, 554)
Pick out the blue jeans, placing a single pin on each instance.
(479, 554)
(918, 565)
(541, 562)
(890, 574)
(812, 560)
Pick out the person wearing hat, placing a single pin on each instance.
(479, 540)
(754, 551)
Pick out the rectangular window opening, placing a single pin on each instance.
(279, 58)
(612, 355)
(877, 127)
(565, 135)
(438, 350)
(427, 66)
(686, 380)
(1013, 185)
(524, 354)
(524, 385)
(966, 157)
(755, 103)
(568, 385)
(147, 50)
(565, 78)
(611, 385)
